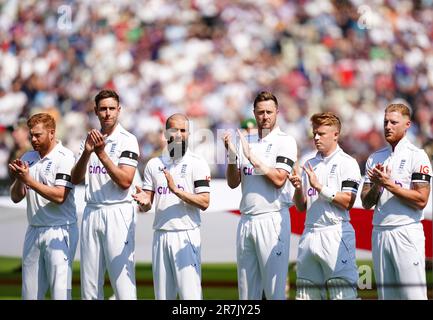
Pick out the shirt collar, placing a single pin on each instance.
(401, 145)
(274, 131)
(54, 151)
(113, 136)
(320, 157)
(168, 160)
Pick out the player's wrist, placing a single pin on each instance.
(231, 157)
(327, 194)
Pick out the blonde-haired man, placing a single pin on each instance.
(327, 190)
(397, 183)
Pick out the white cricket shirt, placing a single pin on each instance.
(190, 173)
(276, 150)
(122, 148)
(408, 164)
(339, 172)
(52, 170)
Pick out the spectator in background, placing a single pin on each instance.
(20, 134)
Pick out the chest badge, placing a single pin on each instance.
(183, 171)
(48, 168)
(268, 148)
(401, 166)
(113, 149)
(333, 169)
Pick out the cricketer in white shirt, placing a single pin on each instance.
(109, 218)
(43, 176)
(397, 183)
(176, 256)
(178, 183)
(327, 246)
(398, 236)
(263, 235)
(327, 191)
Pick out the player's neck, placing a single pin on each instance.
(108, 130)
(263, 133)
(329, 152)
(51, 146)
(394, 144)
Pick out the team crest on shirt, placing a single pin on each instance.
(48, 168)
(113, 149)
(333, 169)
(183, 170)
(401, 166)
(268, 148)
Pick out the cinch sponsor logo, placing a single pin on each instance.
(312, 192)
(97, 170)
(248, 171)
(166, 190)
(398, 183)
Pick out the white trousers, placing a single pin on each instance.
(48, 254)
(399, 262)
(262, 249)
(326, 253)
(176, 264)
(108, 244)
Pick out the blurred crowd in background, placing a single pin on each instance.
(208, 59)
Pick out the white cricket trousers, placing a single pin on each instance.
(399, 262)
(48, 254)
(327, 252)
(176, 264)
(262, 249)
(108, 243)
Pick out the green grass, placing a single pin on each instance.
(219, 281)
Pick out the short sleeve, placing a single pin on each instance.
(350, 176)
(201, 176)
(287, 154)
(147, 177)
(421, 169)
(81, 150)
(64, 168)
(368, 166)
(26, 157)
(304, 179)
(130, 152)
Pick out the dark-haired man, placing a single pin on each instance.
(107, 162)
(178, 183)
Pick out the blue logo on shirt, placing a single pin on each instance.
(183, 170)
(333, 169)
(48, 167)
(269, 147)
(113, 148)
